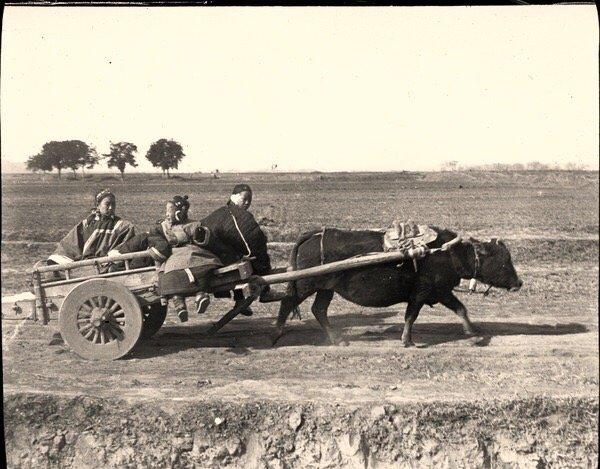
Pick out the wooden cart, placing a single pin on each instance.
(102, 315)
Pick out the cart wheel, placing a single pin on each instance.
(154, 317)
(100, 319)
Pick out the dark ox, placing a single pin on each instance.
(388, 284)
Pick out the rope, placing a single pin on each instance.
(484, 293)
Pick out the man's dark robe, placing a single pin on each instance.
(234, 233)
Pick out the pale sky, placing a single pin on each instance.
(325, 89)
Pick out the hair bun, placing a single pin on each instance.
(181, 201)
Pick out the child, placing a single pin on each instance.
(176, 244)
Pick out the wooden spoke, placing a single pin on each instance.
(117, 319)
(116, 332)
(114, 307)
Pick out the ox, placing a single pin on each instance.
(428, 282)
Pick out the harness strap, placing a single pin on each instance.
(477, 261)
(322, 233)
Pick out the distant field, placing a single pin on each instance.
(549, 216)
(552, 204)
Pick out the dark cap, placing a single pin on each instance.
(241, 188)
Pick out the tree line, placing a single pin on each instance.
(527, 166)
(74, 154)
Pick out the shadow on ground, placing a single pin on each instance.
(244, 334)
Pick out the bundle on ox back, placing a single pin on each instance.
(426, 281)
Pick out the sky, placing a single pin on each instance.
(327, 89)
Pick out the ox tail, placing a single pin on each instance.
(291, 286)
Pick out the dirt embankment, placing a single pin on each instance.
(88, 432)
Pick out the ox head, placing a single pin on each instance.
(495, 265)
(490, 262)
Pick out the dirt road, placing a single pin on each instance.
(533, 374)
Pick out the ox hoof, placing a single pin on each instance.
(479, 341)
(408, 343)
(337, 340)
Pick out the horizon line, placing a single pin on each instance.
(209, 173)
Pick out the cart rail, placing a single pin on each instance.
(280, 275)
(88, 262)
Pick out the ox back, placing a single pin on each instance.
(377, 286)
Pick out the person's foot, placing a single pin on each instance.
(202, 301)
(178, 305)
(247, 312)
(182, 314)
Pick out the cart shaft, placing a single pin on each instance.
(338, 266)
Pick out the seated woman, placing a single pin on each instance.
(99, 233)
(176, 244)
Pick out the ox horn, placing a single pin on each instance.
(451, 243)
